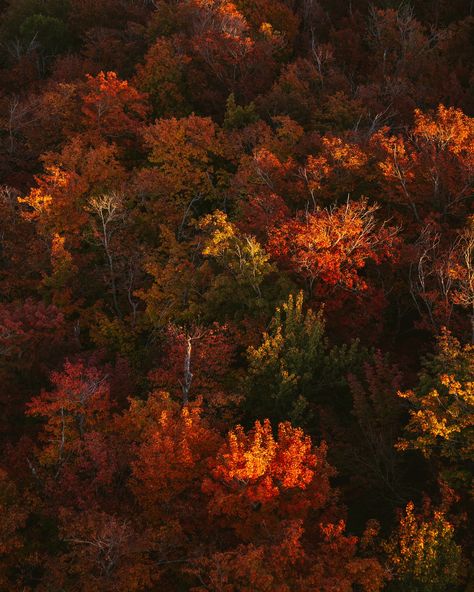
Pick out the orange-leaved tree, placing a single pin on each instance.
(112, 108)
(274, 493)
(172, 451)
(329, 247)
(257, 479)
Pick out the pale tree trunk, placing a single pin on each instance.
(109, 209)
(188, 375)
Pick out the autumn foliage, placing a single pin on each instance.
(236, 295)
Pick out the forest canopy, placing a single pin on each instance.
(236, 295)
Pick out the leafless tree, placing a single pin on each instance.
(20, 114)
(109, 216)
(8, 200)
(189, 336)
(429, 274)
(323, 55)
(464, 293)
(108, 544)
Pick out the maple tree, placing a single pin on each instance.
(77, 405)
(112, 108)
(261, 483)
(330, 246)
(171, 461)
(259, 479)
(62, 188)
(433, 165)
(333, 169)
(271, 567)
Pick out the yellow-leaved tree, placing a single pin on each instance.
(441, 423)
